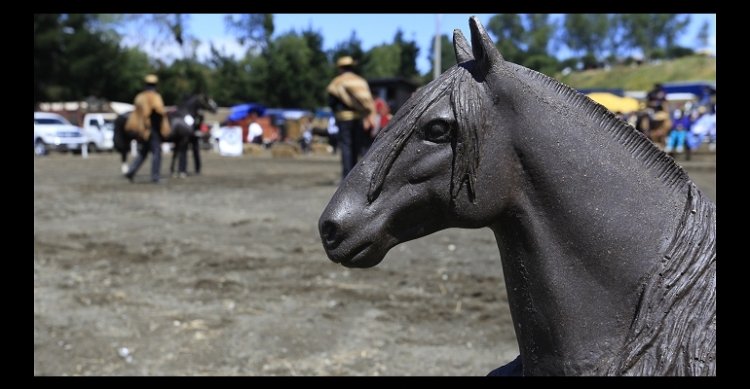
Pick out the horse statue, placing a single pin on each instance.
(181, 120)
(608, 248)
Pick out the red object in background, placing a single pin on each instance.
(270, 132)
(382, 109)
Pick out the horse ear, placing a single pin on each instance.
(461, 47)
(485, 52)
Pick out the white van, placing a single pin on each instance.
(99, 130)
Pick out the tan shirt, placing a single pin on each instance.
(147, 102)
(354, 92)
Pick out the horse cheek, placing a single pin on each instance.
(431, 171)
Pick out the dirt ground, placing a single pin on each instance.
(224, 274)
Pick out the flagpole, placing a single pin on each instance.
(436, 65)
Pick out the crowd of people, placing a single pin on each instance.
(358, 117)
(676, 127)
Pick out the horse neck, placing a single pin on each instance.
(190, 106)
(593, 213)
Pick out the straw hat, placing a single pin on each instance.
(151, 79)
(345, 61)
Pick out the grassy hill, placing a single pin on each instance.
(693, 68)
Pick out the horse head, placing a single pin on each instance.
(420, 175)
(205, 102)
(583, 207)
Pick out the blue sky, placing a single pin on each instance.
(371, 29)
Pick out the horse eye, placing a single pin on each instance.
(437, 131)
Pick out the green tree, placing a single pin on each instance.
(653, 34)
(320, 70)
(540, 34)
(526, 39)
(382, 61)
(586, 33)
(447, 56)
(158, 30)
(408, 56)
(48, 55)
(73, 60)
(182, 79)
(704, 34)
(509, 34)
(538, 38)
(255, 29)
(230, 81)
(397, 59)
(674, 26)
(291, 74)
(351, 47)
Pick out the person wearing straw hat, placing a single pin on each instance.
(351, 101)
(149, 122)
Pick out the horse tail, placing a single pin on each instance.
(121, 139)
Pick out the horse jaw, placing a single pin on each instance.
(347, 238)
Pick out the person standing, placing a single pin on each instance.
(149, 122)
(350, 99)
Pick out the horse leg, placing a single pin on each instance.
(196, 143)
(181, 156)
(182, 162)
(174, 158)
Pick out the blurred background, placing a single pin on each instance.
(224, 273)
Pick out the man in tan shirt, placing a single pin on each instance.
(149, 122)
(353, 107)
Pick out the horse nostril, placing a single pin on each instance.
(328, 232)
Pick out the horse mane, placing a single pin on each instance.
(635, 142)
(674, 328)
(467, 104)
(668, 333)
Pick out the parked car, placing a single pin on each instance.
(54, 132)
(99, 129)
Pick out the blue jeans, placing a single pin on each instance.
(676, 140)
(154, 145)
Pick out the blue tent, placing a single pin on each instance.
(239, 112)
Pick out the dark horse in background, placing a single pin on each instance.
(608, 248)
(181, 120)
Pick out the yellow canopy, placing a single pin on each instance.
(615, 103)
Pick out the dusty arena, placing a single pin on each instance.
(224, 274)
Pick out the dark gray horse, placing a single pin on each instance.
(181, 120)
(608, 248)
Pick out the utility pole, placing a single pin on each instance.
(436, 65)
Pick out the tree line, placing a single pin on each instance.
(77, 56)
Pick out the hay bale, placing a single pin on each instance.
(253, 149)
(285, 150)
(321, 149)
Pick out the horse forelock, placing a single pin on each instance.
(465, 97)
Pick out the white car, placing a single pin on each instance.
(99, 128)
(54, 132)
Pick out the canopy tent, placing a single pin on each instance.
(239, 112)
(615, 103)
